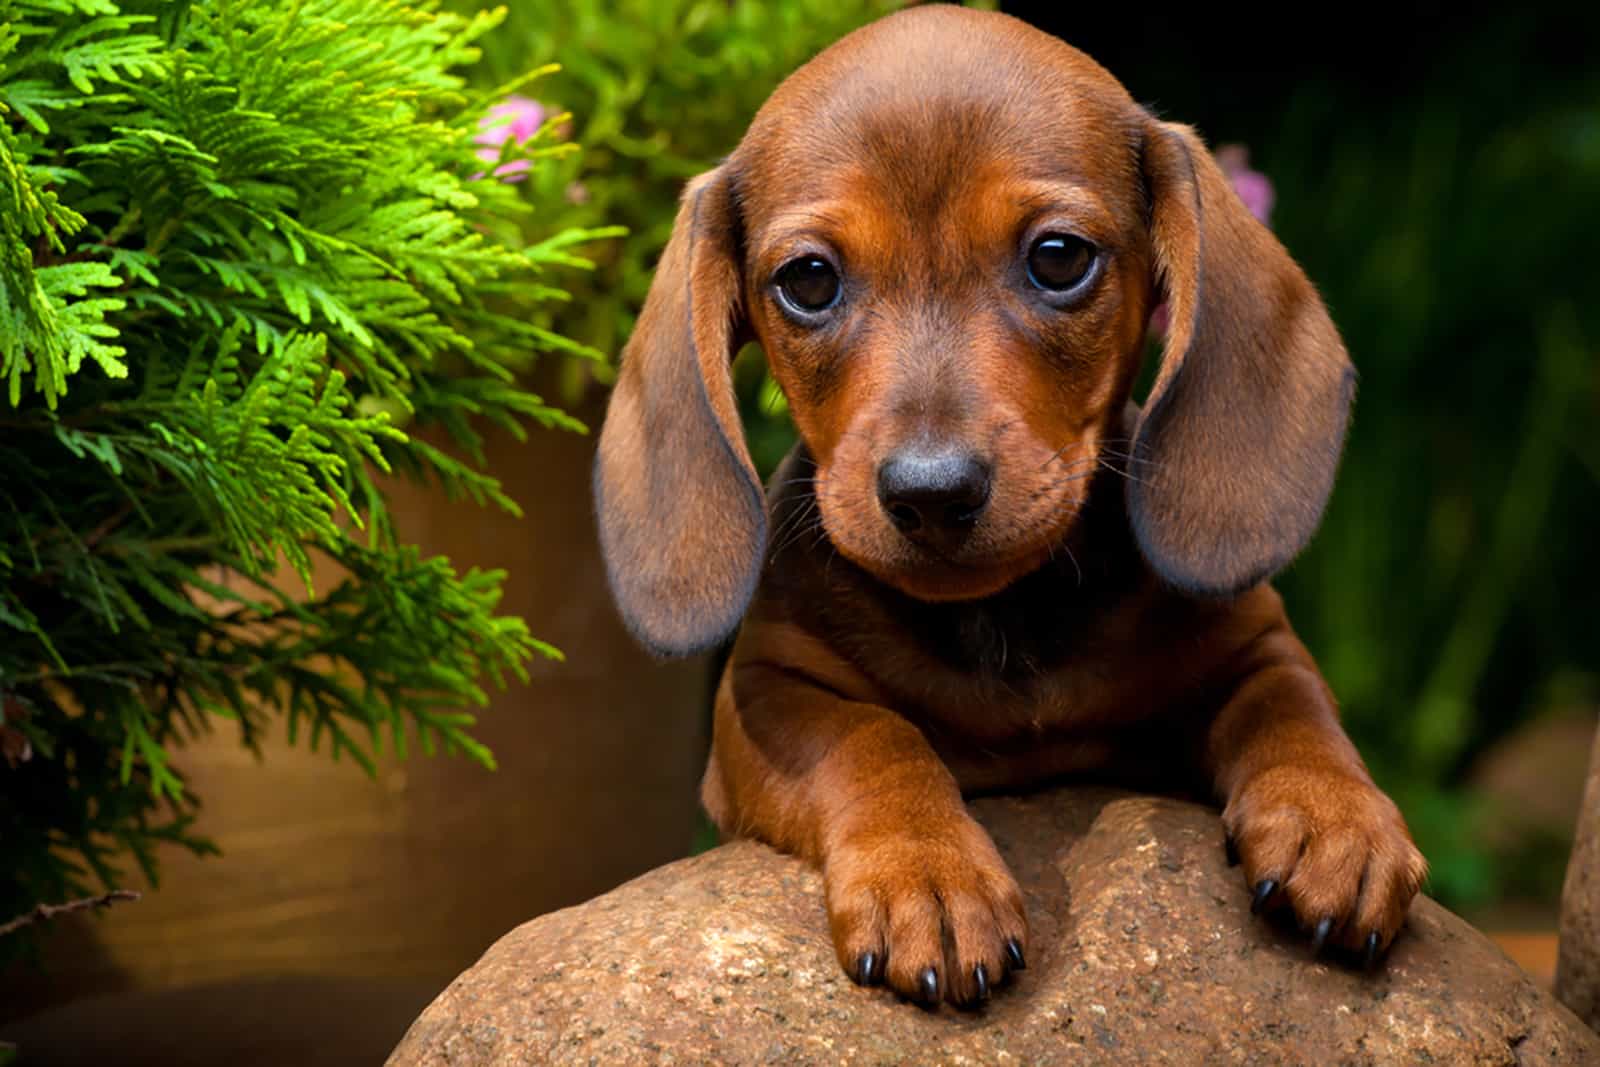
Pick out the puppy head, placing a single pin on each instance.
(947, 232)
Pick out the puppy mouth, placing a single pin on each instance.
(939, 579)
(938, 573)
(965, 563)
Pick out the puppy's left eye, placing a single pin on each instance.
(1058, 262)
(808, 284)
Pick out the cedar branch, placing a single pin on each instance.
(46, 912)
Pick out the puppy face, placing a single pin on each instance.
(947, 232)
(950, 274)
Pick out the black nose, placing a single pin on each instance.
(933, 494)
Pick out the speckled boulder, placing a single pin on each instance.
(1142, 951)
(1578, 970)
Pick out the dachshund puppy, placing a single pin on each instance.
(982, 567)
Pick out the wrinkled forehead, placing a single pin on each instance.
(916, 118)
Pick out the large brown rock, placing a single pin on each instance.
(1142, 951)
(1578, 967)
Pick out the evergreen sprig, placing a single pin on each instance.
(245, 245)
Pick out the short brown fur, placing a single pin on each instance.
(1108, 613)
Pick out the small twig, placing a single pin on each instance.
(89, 542)
(46, 912)
(163, 235)
(107, 525)
(129, 220)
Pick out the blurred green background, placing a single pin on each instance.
(1437, 178)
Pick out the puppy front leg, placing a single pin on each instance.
(917, 894)
(1312, 831)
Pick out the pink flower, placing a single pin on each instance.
(1253, 187)
(1159, 319)
(515, 119)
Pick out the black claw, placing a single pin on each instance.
(929, 986)
(1264, 889)
(980, 979)
(1019, 962)
(1370, 955)
(1319, 936)
(867, 968)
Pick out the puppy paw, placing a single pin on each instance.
(934, 914)
(1330, 848)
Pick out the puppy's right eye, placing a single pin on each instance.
(1060, 262)
(808, 285)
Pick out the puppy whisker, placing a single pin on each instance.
(1058, 452)
(807, 519)
(793, 525)
(1129, 457)
(1119, 472)
(1069, 479)
(1079, 570)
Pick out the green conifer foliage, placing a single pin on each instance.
(245, 245)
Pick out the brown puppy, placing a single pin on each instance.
(985, 569)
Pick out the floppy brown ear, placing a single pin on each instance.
(682, 516)
(1237, 445)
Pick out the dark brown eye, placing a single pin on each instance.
(809, 284)
(1058, 262)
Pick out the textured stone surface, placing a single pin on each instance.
(1142, 951)
(1578, 967)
